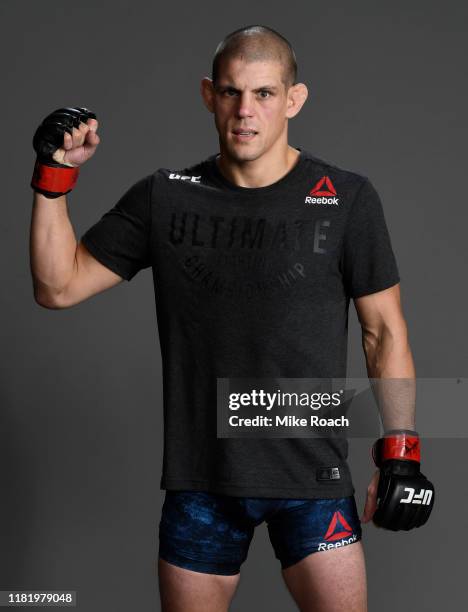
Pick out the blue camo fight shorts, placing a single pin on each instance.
(211, 533)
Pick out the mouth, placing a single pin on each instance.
(244, 134)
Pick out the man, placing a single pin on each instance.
(255, 253)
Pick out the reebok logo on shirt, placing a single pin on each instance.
(323, 195)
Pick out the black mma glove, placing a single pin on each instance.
(49, 177)
(405, 497)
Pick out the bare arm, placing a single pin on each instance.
(390, 367)
(63, 271)
(388, 356)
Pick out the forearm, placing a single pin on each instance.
(52, 247)
(390, 368)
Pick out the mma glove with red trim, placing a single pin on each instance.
(49, 177)
(405, 497)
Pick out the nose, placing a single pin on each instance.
(244, 108)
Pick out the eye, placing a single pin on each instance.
(266, 92)
(229, 92)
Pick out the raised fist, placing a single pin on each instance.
(65, 140)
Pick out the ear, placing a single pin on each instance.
(207, 93)
(297, 95)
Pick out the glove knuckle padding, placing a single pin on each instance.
(49, 135)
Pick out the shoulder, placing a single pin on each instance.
(344, 176)
(352, 190)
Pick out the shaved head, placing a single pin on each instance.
(256, 43)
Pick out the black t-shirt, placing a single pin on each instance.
(249, 282)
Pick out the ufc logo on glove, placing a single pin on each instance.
(424, 497)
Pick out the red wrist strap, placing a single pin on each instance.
(403, 446)
(55, 180)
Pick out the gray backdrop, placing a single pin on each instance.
(81, 394)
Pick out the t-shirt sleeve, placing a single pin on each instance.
(120, 240)
(369, 264)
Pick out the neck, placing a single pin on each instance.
(260, 172)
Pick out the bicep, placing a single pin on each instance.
(90, 278)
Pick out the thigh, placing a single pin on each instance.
(329, 581)
(183, 590)
(202, 543)
(318, 545)
(204, 532)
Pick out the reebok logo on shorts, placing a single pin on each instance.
(323, 192)
(338, 529)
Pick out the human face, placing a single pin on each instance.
(249, 97)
